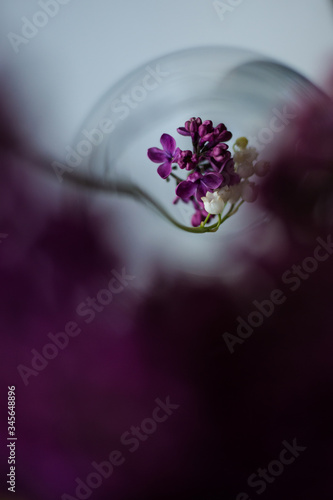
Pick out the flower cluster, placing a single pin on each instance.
(214, 176)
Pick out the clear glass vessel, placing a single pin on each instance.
(242, 89)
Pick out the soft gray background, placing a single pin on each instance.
(90, 44)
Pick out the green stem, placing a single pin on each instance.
(123, 188)
(140, 195)
(205, 221)
(178, 179)
(231, 211)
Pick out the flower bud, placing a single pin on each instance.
(224, 193)
(235, 193)
(245, 170)
(245, 155)
(249, 191)
(206, 129)
(221, 134)
(231, 193)
(219, 152)
(186, 160)
(261, 168)
(213, 203)
(241, 143)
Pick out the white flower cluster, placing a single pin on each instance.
(246, 165)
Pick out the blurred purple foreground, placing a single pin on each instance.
(192, 412)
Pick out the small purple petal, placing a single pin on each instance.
(168, 143)
(183, 131)
(201, 191)
(207, 137)
(176, 155)
(197, 218)
(186, 189)
(225, 136)
(156, 155)
(234, 179)
(164, 170)
(195, 176)
(212, 181)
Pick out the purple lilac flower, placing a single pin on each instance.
(220, 152)
(198, 217)
(219, 158)
(188, 160)
(220, 135)
(168, 155)
(206, 131)
(191, 127)
(198, 185)
(230, 177)
(200, 213)
(212, 135)
(205, 163)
